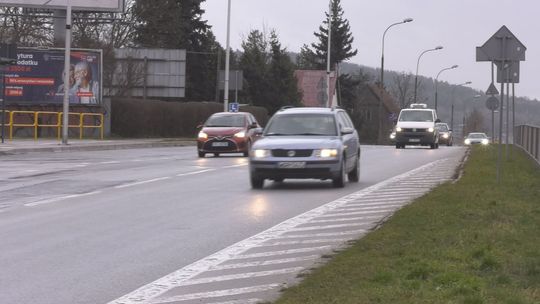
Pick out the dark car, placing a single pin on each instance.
(445, 134)
(227, 132)
(318, 143)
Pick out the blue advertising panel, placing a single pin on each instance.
(38, 77)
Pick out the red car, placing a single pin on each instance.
(227, 132)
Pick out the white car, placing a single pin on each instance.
(416, 126)
(476, 138)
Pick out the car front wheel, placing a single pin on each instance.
(354, 175)
(339, 182)
(256, 182)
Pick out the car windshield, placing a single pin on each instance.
(225, 121)
(302, 124)
(477, 135)
(442, 128)
(416, 116)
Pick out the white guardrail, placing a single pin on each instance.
(528, 138)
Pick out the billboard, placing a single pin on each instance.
(38, 77)
(77, 5)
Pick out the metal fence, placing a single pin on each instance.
(528, 138)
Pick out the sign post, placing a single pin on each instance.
(8, 56)
(506, 51)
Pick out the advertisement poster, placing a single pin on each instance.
(38, 77)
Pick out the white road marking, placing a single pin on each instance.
(340, 233)
(240, 276)
(195, 172)
(279, 252)
(302, 242)
(246, 301)
(142, 182)
(356, 213)
(310, 228)
(369, 208)
(265, 263)
(235, 166)
(61, 198)
(109, 162)
(346, 219)
(212, 294)
(185, 275)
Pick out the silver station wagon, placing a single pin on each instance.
(319, 143)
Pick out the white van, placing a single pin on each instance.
(416, 126)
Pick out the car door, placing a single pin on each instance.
(349, 140)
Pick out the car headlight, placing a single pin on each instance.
(485, 141)
(398, 129)
(203, 135)
(445, 135)
(467, 141)
(326, 153)
(260, 153)
(430, 130)
(240, 134)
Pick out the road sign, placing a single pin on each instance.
(507, 73)
(502, 46)
(492, 103)
(492, 90)
(234, 107)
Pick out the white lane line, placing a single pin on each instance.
(333, 213)
(372, 203)
(279, 252)
(142, 182)
(195, 172)
(109, 162)
(303, 242)
(341, 233)
(172, 280)
(240, 276)
(211, 294)
(234, 166)
(246, 301)
(136, 160)
(324, 227)
(346, 219)
(61, 198)
(369, 208)
(265, 263)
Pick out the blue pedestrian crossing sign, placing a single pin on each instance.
(234, 107)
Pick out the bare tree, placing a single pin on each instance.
(403, 89)
(474, 122)
(25, 27)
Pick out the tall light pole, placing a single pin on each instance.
(227, 59)
(379, 134)
(382, 53)
(437, 81)
(418, 64)
(453, 100)
(328, 97)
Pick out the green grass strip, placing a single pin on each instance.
(470, 242)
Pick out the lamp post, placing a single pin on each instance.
(379, 135)
(437, 81)
(418, 64)
(329, 42)
(227, 59)
(453, 100)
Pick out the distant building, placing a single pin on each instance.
(312, 85)
(366, 114)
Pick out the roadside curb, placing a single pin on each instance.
(98, 147)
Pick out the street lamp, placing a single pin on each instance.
(418, 64)
(379, 135)
(382, 54)
(227, 59)
(437, 81)
(453, 100)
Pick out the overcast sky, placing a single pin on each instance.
(457, 25)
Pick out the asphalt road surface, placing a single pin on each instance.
(89, 227)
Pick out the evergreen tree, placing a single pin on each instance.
(341, 41)
(254, 64)
(178, 24)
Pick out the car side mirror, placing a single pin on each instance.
(437, 120)
(199, 126)
(253, 125)
(345, 131)
(258, 131)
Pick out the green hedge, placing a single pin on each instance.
(151, 118)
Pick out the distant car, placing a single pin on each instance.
(416, 126)
(319, 143)
(445, 134)
(227, 132)
(476, 138)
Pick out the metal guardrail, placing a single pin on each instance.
(35, 116)
(528, 138)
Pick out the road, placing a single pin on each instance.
(89, 227)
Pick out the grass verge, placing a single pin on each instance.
(470, 242)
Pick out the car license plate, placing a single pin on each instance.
(291, 165)
(414, 139)
(220, 144)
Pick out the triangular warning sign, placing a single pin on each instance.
(492, 90)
